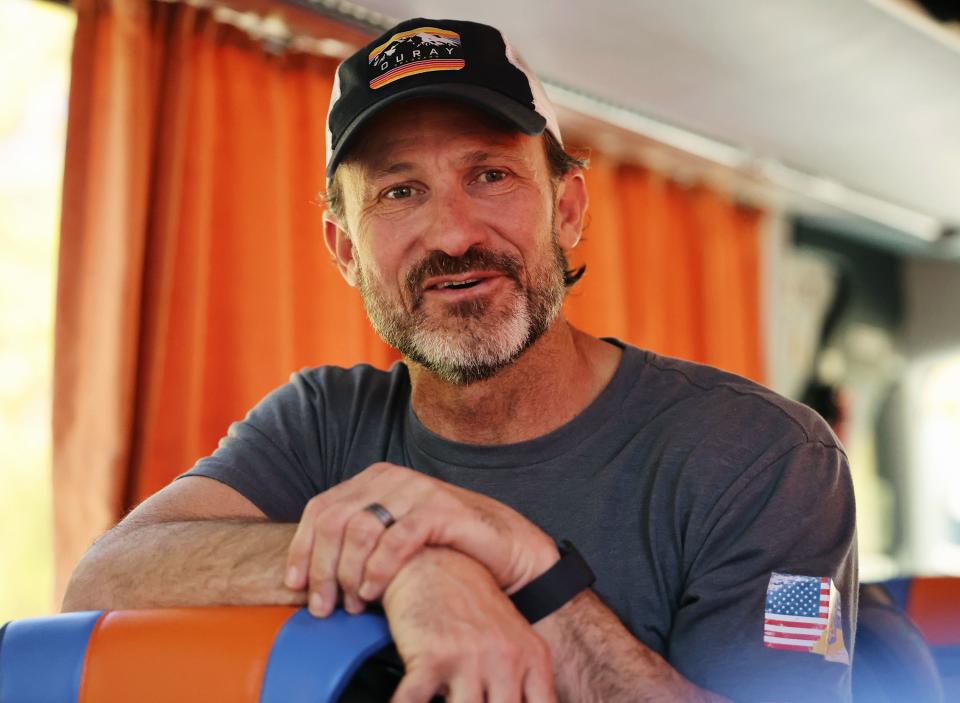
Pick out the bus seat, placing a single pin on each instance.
(891, 662)
(240, 654)
(933, 604)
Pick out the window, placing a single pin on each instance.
(36, 38)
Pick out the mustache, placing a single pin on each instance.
(439, 263)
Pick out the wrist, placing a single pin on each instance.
(551, 627)
(429, 564)
(543, 555)
(558, 585)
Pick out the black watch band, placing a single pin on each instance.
(555, 586)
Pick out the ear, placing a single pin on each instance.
(340, 247)
(571, 207)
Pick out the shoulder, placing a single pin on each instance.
(727, 406)
(341, 381)
(343, 397)
(708, 434)
(738, 458)
(318, 396)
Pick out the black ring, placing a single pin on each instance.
(381, 513)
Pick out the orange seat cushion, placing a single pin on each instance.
(934, 605)
(186, 655)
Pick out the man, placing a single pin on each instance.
(716, 516)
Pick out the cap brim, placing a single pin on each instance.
(490, 101)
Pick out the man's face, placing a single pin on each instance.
(452, 239)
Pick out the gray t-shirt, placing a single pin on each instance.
(684, 487)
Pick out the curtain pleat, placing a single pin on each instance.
(671, 268)
(100, 265)
(598, 302)
(193, 276)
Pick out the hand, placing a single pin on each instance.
(461, 637)
(338, 542)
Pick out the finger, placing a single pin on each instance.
(296, 575)
(466, 689)
(504, 666)
(327, 543)
(329, 529)
(504, 686)
(361, 535)
(419, 685)
(442, 522)
(365, 529)
(538, 685)
(395, 548)
(301, 546)
(412, 530)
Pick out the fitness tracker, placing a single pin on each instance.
(555, 586)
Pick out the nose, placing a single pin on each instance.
(454, 224)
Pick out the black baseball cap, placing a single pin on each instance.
(437, 58)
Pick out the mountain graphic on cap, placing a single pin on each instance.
(415, 42)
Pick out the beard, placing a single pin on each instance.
(469, 341)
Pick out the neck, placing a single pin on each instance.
(549, 385)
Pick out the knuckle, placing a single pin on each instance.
(427, 666)
(318, 573)
(505, 664)
(363, 533)
(432, 663)
(396, 536)
(375, 467)
(416, 527)
(330, 524)
(313, 506)
(380, 467)
(509, 655)
(297, 550)
(405, 527)
(329, 532)
(404, 473)
(544, 651)
(468, 654)
(504, 652)
(543, 661)
(347, 581)
(377, 571)
(442, 653)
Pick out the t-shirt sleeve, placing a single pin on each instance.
(273, 457)
(755, 596)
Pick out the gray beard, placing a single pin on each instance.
(469, 341)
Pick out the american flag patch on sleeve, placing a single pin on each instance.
(802, 613)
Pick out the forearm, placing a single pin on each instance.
(595, 658)
(197, 563)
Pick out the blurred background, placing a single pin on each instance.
(775, 190)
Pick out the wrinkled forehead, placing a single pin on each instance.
(420, 126)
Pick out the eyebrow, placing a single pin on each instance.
(483, 155)
(393, 169)
(471, 158)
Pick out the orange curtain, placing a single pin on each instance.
(193, 277)
(670, 268)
